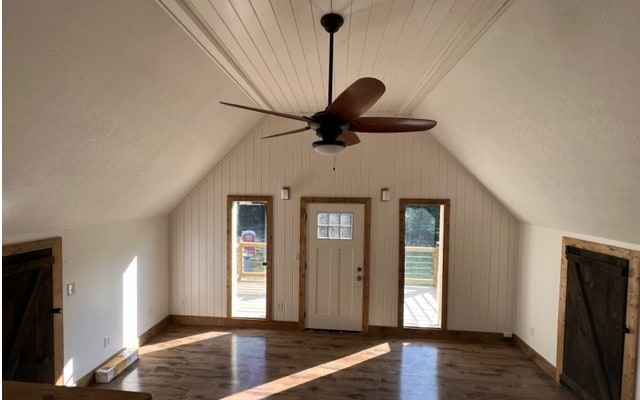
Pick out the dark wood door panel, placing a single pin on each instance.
(27, 305)
(595, 324)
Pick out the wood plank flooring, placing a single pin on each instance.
(184, 362)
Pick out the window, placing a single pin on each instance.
(335, 225)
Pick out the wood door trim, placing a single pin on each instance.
(55, 244)
(304, 201)
(28, 266)
(445, 258)
(268, 200)
(630, 354)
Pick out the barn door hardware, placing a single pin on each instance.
(624, 329)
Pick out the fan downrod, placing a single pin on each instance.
(331, 22)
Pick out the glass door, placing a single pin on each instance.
(249, 270)
(423, 267)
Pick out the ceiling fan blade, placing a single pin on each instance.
(390, 124)
(306, 128)
(349, 138)
(278, 114)
(357, 99)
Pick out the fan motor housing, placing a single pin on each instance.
(327, 126)
(331, 22)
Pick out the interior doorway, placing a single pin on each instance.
(598, 319)
(424, 225)
(32, 333)
(249, 273)
(334, 269)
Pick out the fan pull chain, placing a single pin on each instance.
(334, 163)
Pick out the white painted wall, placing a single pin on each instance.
(96, 258)
(538, 286)
(483, 235)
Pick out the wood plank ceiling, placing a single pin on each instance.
(277, 51)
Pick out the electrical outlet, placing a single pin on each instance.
(280, 306)
(107, 341)
(71, 289)
(531, 331)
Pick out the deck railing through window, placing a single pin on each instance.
(421, 265)
(251, 258)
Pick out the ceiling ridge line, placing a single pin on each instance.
(470, 32)
(238, 37)
(455, 52)
(179, 11)
(262, 54)
(440, 55)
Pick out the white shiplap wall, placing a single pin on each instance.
(483, 234)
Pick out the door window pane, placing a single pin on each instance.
(323, 232)
(334, 219)
(335, 226)
(323, 218)
(345, 219)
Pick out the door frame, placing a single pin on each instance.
(633, 290)
(304, 201)
(444, 293)
(268, 200)
(55, 244)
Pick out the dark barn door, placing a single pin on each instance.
(595, 323)
(27, 317)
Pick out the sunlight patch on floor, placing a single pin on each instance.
(310, 374)
(180, 342)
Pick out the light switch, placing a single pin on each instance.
(71, 289)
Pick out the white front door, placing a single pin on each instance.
(335, 270)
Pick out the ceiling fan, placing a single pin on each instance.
(337, 124)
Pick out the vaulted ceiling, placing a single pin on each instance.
(110, 113)
(111, 107)
(544, 110)
(277, 51)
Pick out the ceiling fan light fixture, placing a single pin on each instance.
(342, 118)
(328, 148)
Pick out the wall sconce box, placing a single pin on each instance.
(385, 194)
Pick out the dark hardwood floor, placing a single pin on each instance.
(185, 362)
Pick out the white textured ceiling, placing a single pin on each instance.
(110, 112)
(545, 111)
